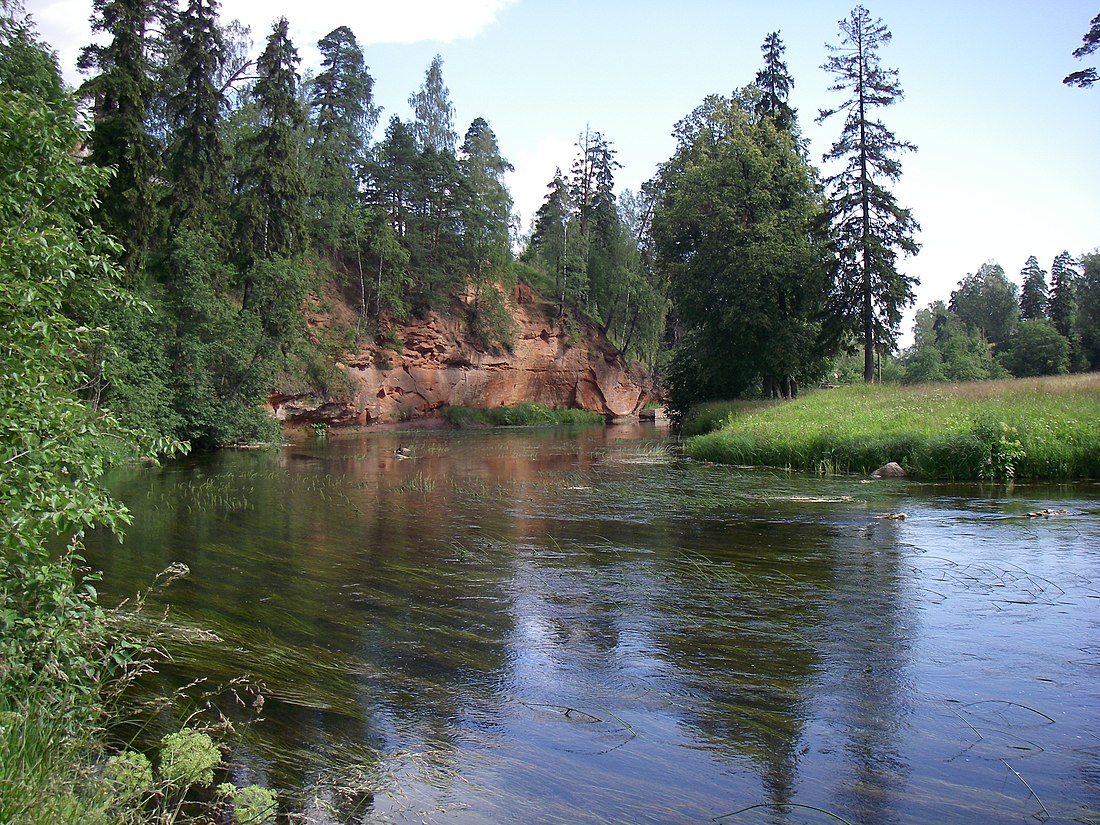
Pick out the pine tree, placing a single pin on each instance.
(121, 94)
(775, 84)
(1033, 295)
(1089, 44)
(870, 228)
(433, 123)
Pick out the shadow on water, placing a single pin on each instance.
(582, 626)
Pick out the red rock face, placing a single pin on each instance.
(440, 366)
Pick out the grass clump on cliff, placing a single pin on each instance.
(1042, 428)
(518, 415)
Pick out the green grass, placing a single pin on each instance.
(1041, 428)
(526, 415)
(46, 774)
(712, 415)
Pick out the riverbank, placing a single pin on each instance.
(1036, 428)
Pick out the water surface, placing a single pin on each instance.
(581, 626)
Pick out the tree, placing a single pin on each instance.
(1089, 43)
(343, 116)
(987, 301)
(196, 159)
(121, 93)
(870, 228)
(550, 239)
(485, 219)
(597, 219)
(775, 84)
(1033, 295)
(54, 644)
(1088, 309)
(433, 122)
(946, 348)
(1062, 305)
(272, 185)
(1037, 349)
(736, 227)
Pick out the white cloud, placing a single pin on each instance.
(373, 21)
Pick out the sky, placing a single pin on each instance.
(1008, 158)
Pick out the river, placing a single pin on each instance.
(582, 626)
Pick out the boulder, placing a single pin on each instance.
(891, 470)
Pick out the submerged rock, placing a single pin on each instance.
(891, 470)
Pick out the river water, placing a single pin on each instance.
(582, 626)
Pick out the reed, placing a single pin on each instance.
(1040, 428)
(518, 415)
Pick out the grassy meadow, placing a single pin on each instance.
(1033, 428)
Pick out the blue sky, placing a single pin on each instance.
(1007, 162)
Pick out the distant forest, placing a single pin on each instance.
(229, 191)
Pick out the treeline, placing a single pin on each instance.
(992, 328)
(237, 187)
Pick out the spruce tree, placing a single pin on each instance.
(775, 83)
(1033, 295)
(343, 116)
(1062, 305)
(870, 228)
(121, 92)
(196, 158)
(273, 185)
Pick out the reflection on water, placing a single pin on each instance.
(581, 626)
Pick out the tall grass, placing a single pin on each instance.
(1039, 428)
(712, 415)
(46, 773)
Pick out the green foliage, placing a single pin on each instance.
(1088, 316)
(987, 301)
(188, 757)
(433, 124)
(736, 229)
(1033, 293)
(252, 804)
(947, 349)
(119, 140)
(1036, 349)
(130, 774)
(1033, 428)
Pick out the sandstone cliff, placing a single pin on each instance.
(437, 364)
